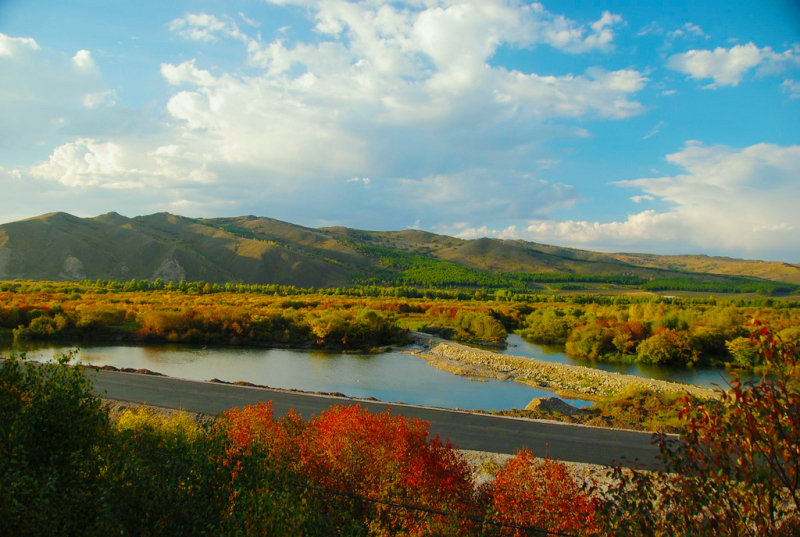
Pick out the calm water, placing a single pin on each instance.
(391, 376)
(699, 376)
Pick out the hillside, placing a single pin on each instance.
(250, 249)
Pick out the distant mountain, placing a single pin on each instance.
(59, 246)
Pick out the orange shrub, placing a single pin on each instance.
(541, 494)
(388, 458)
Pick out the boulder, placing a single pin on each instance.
(552, 404)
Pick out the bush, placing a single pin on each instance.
(735, 471)
(667, 346)
(591, 341)
(53, 437)
(541, 494)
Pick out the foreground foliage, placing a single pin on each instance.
(67, 469)
(736, 469)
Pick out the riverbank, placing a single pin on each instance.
(569, 381)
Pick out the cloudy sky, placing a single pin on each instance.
(598, 125)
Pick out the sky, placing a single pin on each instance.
(666, 127)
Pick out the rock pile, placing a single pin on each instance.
(583, 382)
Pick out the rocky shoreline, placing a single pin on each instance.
(570, 381)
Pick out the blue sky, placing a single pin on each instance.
(618, 126)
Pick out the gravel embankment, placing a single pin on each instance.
(567, 380)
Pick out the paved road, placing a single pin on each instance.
(467, 431)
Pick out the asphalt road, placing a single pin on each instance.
(465, 430)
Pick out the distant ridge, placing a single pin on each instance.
(251, 249)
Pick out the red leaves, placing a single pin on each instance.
(391, 460)
(542, 494)
(376, 456)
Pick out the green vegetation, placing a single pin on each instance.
(637, 409)
(673, 331)
(734, 471)
(731, 285)
(261, 251)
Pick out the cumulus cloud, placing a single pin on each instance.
(47, 94)
(11, 46)
(400, 96)
(741, 200)
(727, 67)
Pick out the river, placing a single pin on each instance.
(705, 377)
(391, 377)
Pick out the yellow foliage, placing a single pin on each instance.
(174, 427)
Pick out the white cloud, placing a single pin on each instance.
(205, 27)
(651, 28)
(9, 46)
(727, 67)
(687, 30)
(365, 180)
(402, 96)
(100, 98)
(792, 88)
(84, 162)
(249, 21)
(47, 94)
(726, 199)
(83, 60)
(655, 130)
(386, 84)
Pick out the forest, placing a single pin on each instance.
(658, 330)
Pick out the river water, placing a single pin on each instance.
(705, 377)
(391, 377)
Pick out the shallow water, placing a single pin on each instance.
(393, 376)
(705, 377)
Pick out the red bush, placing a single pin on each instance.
(388, 458)
(541, 494)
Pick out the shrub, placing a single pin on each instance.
(53, 435)
(591, 341)
(667, 346)
(389, 458)
(541, 494)
(734, 471)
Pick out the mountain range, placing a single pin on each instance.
(250, 249)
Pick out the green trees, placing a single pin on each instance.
(551, 325)
(591, 341)
(473, 325)
(667, 346)
(735, 470)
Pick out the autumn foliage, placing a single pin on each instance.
(736, 469)
(538, 493)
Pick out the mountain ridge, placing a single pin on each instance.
(253, 249)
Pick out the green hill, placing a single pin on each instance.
(59, 246)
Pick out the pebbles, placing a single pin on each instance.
(585, 382)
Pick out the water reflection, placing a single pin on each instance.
(389, 377)
(706, 377)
